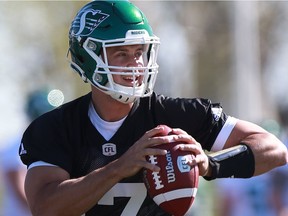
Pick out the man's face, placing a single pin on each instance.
(127, 56)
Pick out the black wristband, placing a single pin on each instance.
(236, 162)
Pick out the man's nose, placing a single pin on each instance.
(134, 62)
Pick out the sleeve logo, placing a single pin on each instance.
(217, 112)
(22, 150)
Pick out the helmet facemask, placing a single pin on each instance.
(143, 78)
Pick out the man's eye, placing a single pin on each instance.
(121, 54)
(139, 53)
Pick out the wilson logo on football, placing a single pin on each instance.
(169, 168)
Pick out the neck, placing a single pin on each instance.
(108, 108)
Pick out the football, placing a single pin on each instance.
(173, 188)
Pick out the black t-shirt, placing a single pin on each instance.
(66, 137)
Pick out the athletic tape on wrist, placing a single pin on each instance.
(235, 162)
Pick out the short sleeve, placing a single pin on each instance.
(45, 140)
(199, 117)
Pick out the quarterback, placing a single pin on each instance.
(86, 157)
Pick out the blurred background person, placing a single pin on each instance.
(12, 170)
(250, 198)
(279, 176)
(264, 195)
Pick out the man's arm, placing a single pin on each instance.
(269, 152)
(263, 152)
(50, 191)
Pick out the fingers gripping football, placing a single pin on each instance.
(134, 159)
(200, 158)
(195, 148)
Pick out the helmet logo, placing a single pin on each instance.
(88, 21)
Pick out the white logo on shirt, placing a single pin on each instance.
(217, 111)
(22, 149)
(109, 149)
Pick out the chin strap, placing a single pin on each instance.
(122, 98)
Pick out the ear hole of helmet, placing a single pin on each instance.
(102, 79)
(92, 46)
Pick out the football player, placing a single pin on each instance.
(86, 157)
